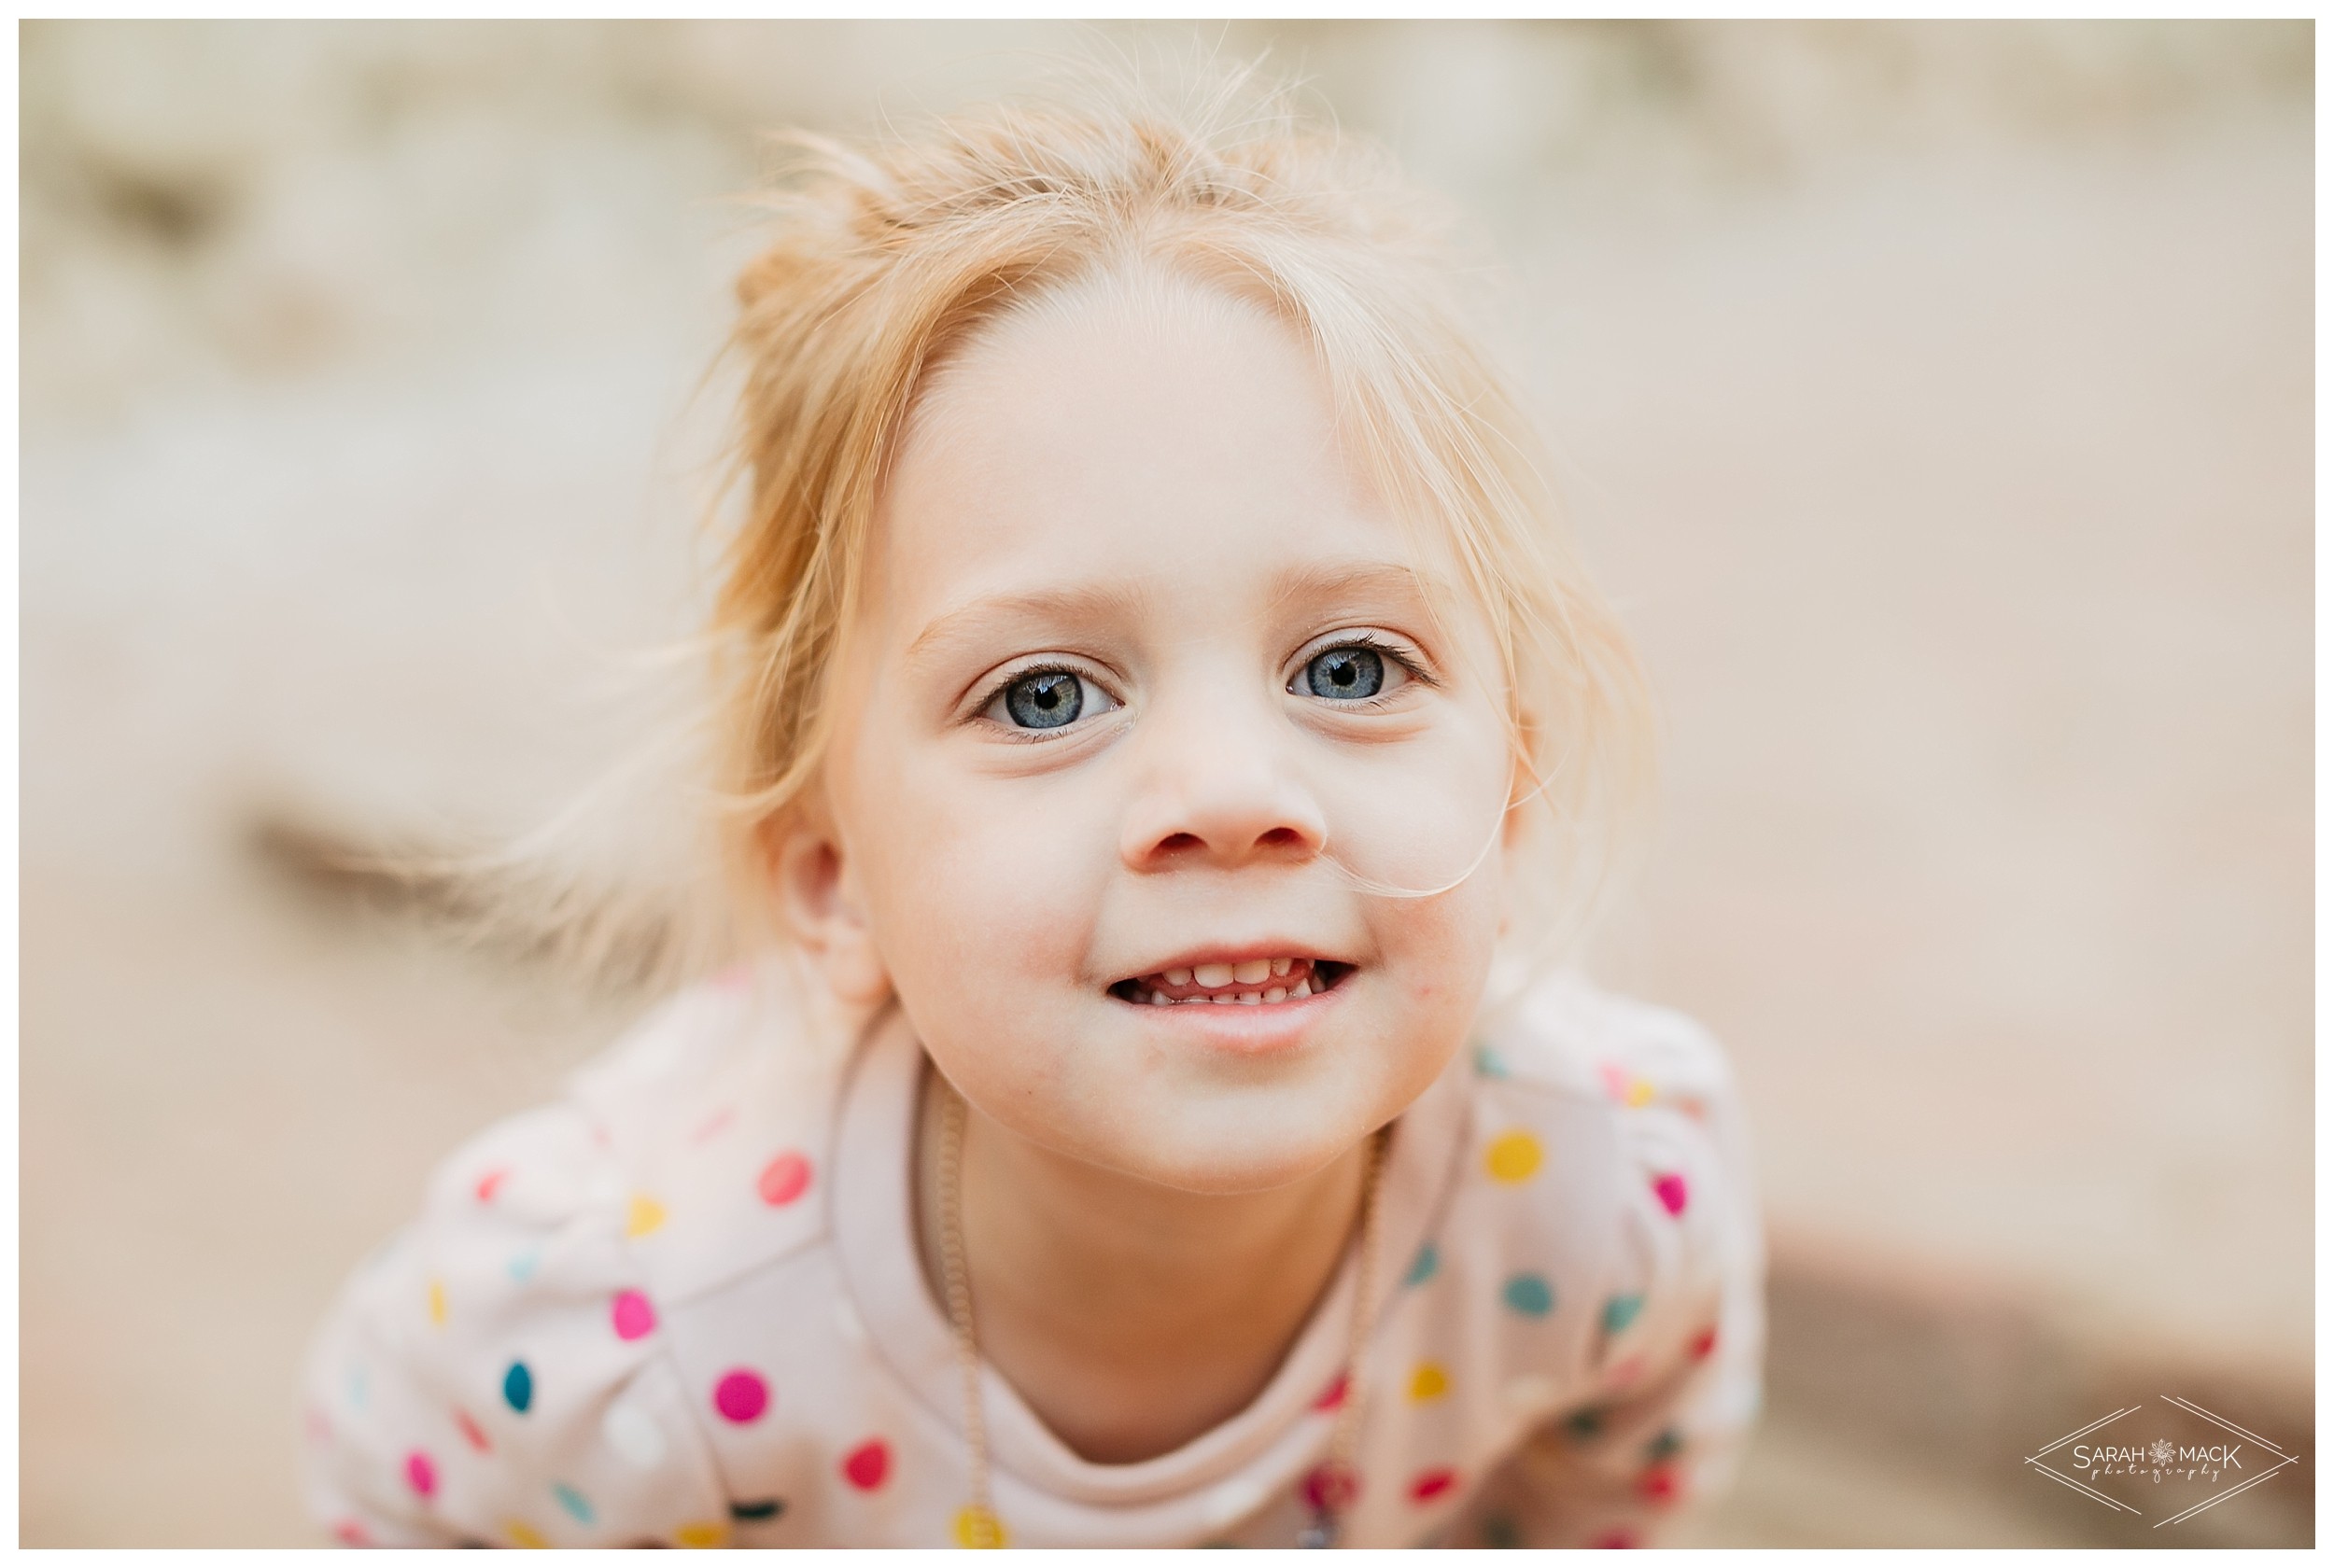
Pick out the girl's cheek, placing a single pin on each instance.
(992, 895)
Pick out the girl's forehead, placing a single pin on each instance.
(1141, 429)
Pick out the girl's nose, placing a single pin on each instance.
(1222, 798)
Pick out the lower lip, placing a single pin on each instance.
(1261, 1030)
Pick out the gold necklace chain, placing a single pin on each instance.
(1331, 1485)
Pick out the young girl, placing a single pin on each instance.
(1162, 728)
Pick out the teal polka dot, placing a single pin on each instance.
(1585, 1423)
(1500, 1533)
(1663, 1446)
(1529, 1295)
(573, 1500)
(1621, 1312)
(1423, 1267)
(518, 1387)
(1490, 1063)
(522, 1265)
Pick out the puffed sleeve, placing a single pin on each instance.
(496, 1375)
(1681, 1321)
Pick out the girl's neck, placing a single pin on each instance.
(1131, 1317)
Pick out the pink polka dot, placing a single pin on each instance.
(741, 1396)
(1329, 1486)
(489, 1182)
(1431, 1484)
(421, 1474)
(1334, 1396)
(470, 1433)
(1617, 1539)
(785, 1179)
(1671, 1189)
(632, 1315)
(351, 1533)
(1704, 1343)
(867, 1465)
(1661, 1485)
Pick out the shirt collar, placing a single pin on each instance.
(874, 1240)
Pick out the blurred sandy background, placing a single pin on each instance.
(1938, 400)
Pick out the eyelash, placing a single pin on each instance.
(1415, 665)
(1014, 679)
(1412, 664)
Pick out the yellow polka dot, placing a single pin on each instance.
(524, 1534)
(1513, 1156)
(645, 1215)
(437, 1302)
(1429, 1381)
(701, 1534)
(1640, 1093)
(978, 1529)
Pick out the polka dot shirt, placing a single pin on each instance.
(683, 1306)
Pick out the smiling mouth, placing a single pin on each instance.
(1256, 983)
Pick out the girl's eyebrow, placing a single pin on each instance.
(1378, 579)
(1050, 607)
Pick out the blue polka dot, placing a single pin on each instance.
(573, 1500)
(522, 1264)
(1490, 1063)
(1621, 1312)
(518, 1387)
(1529, 1295)
(1423, 1267)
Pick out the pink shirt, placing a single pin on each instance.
(684, 1306)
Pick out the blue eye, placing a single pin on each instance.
(1345, 673)
(1044, 701)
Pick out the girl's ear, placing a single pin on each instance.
(819, 899)
(1523, 791)
(1523, 786)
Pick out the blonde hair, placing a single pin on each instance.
(883, 258)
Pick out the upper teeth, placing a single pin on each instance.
(1250, 983)
(1249, 971)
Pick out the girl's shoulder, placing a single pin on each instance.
(503, 1369)
(1608, 1159)
(1597, 1267)
(716, 1116)
(1567, 1036)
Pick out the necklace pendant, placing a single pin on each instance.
(978, 1529)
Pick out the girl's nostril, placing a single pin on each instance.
(1180, 841)
(1281, 837)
